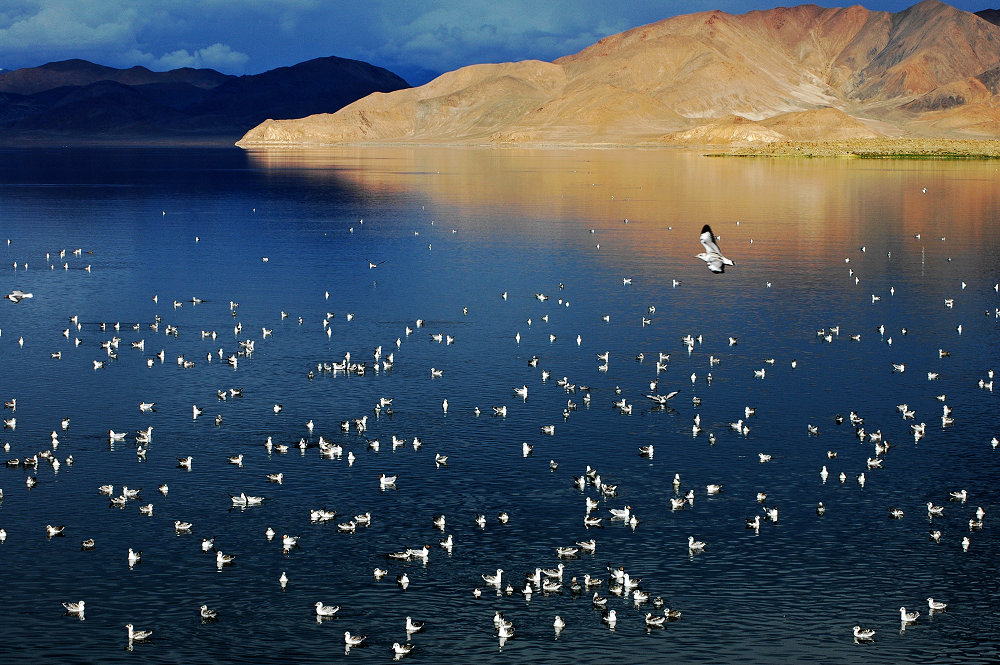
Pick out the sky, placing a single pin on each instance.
(416, 39)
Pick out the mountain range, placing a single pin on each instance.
(790, 73)
(76, 100)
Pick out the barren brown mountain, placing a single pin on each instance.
(792, 73)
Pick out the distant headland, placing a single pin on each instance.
(79, 102)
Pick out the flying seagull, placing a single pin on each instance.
(17, 296)
(712, 255)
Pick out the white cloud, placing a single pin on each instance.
(161, 34)
(217, 56)
(220, 56)
(65, 24)
(175, 59)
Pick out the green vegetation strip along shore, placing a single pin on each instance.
(882, 148)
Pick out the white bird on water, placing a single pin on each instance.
(326, 610)
(654, 621)
(620, 513)
(863, 634)
(137, 635)
(74, 608)
(493, 580)
(246, 500)
(401, 649)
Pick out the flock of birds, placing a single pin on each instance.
(639, 602)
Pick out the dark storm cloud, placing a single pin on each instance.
(251, 36)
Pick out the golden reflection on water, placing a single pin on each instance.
(788, 206)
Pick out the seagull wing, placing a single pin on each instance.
(714, 262)
(708, 240)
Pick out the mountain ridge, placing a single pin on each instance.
(929, 70)
(77, 100)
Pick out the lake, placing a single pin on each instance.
(843, 269)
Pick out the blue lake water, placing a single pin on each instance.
(814, 242)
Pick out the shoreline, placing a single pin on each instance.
(873, 148)
(114, 141)
(879, 148)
